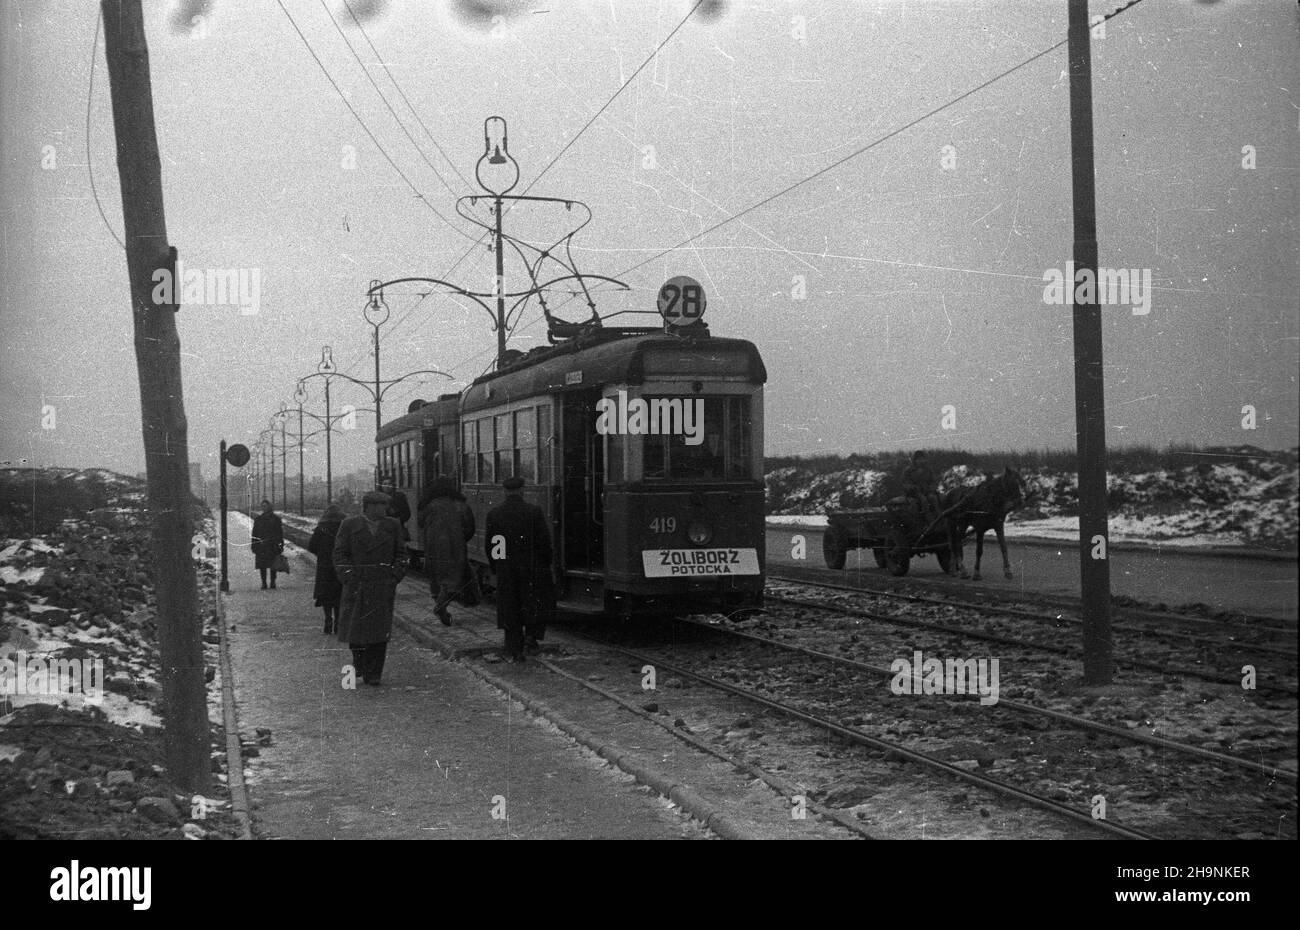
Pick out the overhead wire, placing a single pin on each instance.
(362, 123)
(365, 35)
(649, 58)
(90, 166)
(375, 85)
(866, 148)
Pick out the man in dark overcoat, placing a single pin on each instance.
(268, 541)
(447, 524)
(370, 560)
(518, 544)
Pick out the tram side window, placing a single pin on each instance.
(525, 452)
(469, 457)
(545, 453)
(486, 475)
(503, 428)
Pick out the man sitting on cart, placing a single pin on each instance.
(920, 484)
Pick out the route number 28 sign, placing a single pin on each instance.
(681, 301)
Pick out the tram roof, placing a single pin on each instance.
(434, 413)
(585, 363)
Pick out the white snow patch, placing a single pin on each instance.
(11, 575)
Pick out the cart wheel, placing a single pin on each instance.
(879, 555)
(897, 555)
(834, 547)
(945, 559)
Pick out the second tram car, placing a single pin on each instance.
(416, 448)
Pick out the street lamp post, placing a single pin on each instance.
(495, 154)
(376, 313)
(326, 368)
(270, 455)
(300, 395)
(500, 156)
(284, 452)
(380, 387)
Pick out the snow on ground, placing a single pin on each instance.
(1250, 502)
(11, 575)
(1062, 528)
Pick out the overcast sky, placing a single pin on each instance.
(923, 280)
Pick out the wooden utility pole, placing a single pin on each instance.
(1089, 381)
(158, 363)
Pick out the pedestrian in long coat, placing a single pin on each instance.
(447, 524)
(368, 557)
(327, 590)
(518, 544)
(268, 541)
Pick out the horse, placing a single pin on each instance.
(984, 508)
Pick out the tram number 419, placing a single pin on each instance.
(663, 525)
(682, 301)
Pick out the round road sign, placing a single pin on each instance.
(237, 455)
(681, 301)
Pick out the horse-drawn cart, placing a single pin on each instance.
(895, 533)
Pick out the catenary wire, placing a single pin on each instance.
(405, 99)
(90, 166)
(362, 123)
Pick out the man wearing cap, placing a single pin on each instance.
(368, 559)
(518, 543)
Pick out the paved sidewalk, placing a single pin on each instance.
(427, 755)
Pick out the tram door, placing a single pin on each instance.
(583, 467)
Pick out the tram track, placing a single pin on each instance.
(1255, 624)
(1082, 723)
(1206, 643)
(889, 748)
(1108, 765)
(797, 709)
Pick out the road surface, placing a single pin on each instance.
(1254, 586)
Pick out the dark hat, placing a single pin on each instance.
(375, 497)
(513, 483)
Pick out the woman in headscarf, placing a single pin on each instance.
(328, 590)
(447, 524)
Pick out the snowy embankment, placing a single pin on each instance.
(1251, 503)
(80, 697)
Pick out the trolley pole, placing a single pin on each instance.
(1089, 374)
(225, 573)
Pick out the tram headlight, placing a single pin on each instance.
(699, 533)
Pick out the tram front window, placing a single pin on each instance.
(717, 450)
